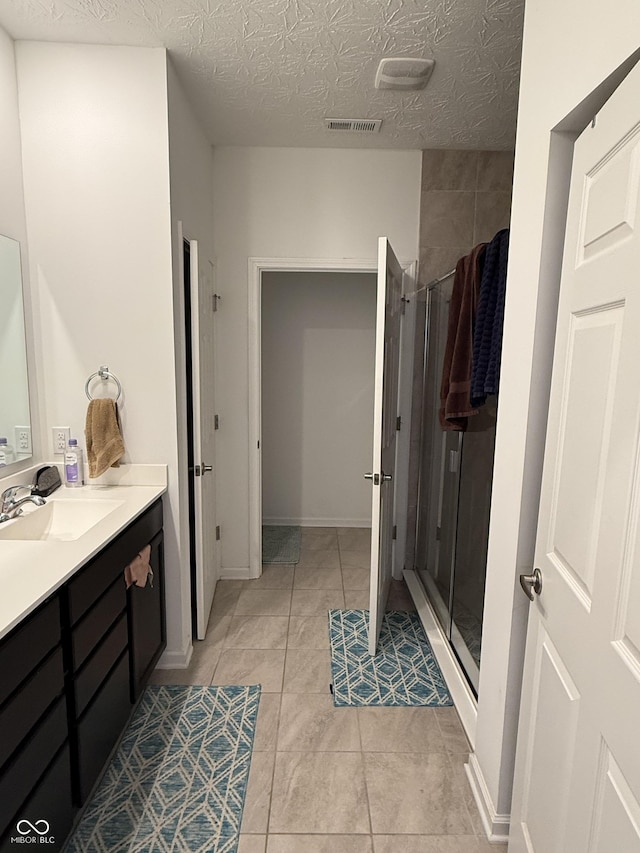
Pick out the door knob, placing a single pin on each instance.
(386, 476)
(206, 468)
(374, 477)
(532, 584)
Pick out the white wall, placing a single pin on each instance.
(291, 202)
(96, 176)
(318, 349)
(557, 74)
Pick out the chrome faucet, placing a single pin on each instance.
(11, 506)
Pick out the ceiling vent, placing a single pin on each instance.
(404, 74)
(354, 125)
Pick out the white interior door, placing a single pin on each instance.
(202, 330)
(385, 413)
(577, 784)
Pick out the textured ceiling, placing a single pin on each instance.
(267, 72)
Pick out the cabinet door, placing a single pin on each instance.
(147, 635)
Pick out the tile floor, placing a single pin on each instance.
(326, 779)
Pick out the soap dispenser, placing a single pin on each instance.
(73, 464)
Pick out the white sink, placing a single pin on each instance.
(58, 520)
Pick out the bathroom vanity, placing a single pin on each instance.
(73, 666)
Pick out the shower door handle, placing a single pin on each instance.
(532, 584)
(378, 478)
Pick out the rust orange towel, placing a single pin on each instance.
(105, 446)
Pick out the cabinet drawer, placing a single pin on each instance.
(88, 633)
(28, 704)
(93, 580)
(102, 724)
(146, 615)
(29, 763)
(23, 649)
(93, 673)
(51, 800)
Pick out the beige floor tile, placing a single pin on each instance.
(356, 599)
(226, 592)
(400, 602)
(355, 578)
(459, 777)
(427, 844)
(411, 793)
(354, 538)
(319, 844)
(319, 792)
(324, 559)
(315, 602)
(252, 844)
(358, 559)
(399, 730)
(263, 602)
(251, 666)
(218, 626)
(273, 577)
(307, 671)
(255, 817)
(266, 735)
(308, 632)
(202, 665)
(319, 541)
(257, 632)
(317, 577)
(311, 723)
(451, 731)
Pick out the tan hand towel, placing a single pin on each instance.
(138, 570)
(105, 446)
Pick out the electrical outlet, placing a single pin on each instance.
(60, 437)
(23, 439)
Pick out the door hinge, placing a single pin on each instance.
(398, 422)
(215, 298)
(216, 422)
(217, 532)
(395, 531)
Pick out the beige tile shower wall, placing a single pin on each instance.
(465, 199)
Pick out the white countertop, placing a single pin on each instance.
(31, 570)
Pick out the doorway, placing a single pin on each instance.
(317, 355)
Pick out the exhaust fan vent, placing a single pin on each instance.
(403, 74)
(354, 125)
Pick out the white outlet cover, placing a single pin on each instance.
(64, 433)
(22, 441)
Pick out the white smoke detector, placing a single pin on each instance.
(404, 74)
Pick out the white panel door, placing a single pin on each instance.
(202, 330)
(577, 783)
(385, 413)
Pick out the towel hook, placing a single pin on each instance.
(104, 374)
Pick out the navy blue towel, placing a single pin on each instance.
(487, 332)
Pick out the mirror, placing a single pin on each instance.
(15, 420)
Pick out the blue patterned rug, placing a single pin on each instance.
(178, 779)
(280, 544)
(403, 672)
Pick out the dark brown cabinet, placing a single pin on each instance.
(71, 672)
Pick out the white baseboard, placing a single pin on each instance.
(175, 660)
(319, 522)
(242, 573)
(461, 693)
(495, 825)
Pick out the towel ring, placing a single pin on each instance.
(103, 373)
